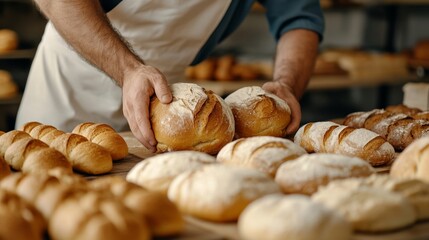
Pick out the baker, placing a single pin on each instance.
(102, 60)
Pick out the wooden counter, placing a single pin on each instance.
(199, 229)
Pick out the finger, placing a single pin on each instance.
(141, 117)
(162, 90)
(295, 117)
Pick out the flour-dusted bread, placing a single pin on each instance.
(218, 192)
(307, 173)
(263, 153)
(329, 137)
(368, 209)
(156, 173)
(258, 113)
(295, 217)
(196, 119)
(415, 190)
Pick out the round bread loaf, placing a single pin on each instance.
(368, 209)
(415, 190)
(196, 119)
(8, 87)
(258, 113)
(307, 173)
(156, 173)
(218, 192)
(413, 162)
(8, 40)
(295, 217)
(421, 50)
(263, 153)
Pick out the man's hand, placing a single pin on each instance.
(286, 93)
(138, 87)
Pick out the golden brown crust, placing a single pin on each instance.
(105, 136)
(9, 138)
(8, 40)
(4, 168)
(205, 128)
(401, 108)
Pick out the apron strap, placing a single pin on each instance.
(108, 5)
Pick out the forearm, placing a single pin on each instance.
(83, 24)
(296, 54)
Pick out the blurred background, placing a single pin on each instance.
(371, 49)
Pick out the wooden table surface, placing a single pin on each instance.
(200, 229)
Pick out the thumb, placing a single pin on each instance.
(162, 90)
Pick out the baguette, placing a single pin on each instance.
(84, 156)
(415, 113)
(22, 152)
(19, 219)
(105, 136)
(329, 137)
(161, 215)
(397, 128)
(74, 212)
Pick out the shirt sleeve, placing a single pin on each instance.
(286, 15)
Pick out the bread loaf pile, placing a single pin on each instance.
(196, 119)
(397, 128)
(329, 137)
(107, 208)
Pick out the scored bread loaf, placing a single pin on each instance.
(196, 119)
(219, 193)
(263, 153)
(19, 219)
(84, 156)
(401, 108)
(329, 137)
(105, 136)
(413, 162)
(307, 173)
(397, 128)
(22, 152)
(278, 217)
(156, 173)
(161, 215)
(368, 209)
(258, 113)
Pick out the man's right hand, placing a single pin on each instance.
(138, 86)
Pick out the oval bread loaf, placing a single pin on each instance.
(196, 119)
(277, 216)
(156, 173)
(263, 153)
(258, 113)
(307, 173)
(218, 192)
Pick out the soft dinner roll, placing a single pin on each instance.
(414, 190)
(156, 173)
(413, 162)
(368, 209)
(8, 87)
(293, 217)
(219, 193)
(8, 40)
(258, 113)
(196, 119)
(305, 174)
(263, 153)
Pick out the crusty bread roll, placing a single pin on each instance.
(413, 162)
(161, 215)
(401, 108)
(263, 153)
(9, 138)
(91, 216)
(223, 71)
(397, 128)
(4, 168)
(307, 173)
(156, 173)
(293, 217)
(105, 136)
(19, 219)
(368, 209)
(421, 50)
(258, 113)
(8, 40)
(219, 193)
(196, 119)
(329, 137)
(8, 87)
(84, 156)
(415, 190)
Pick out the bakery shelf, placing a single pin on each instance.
(19, 54)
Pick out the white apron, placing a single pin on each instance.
(63, 90)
